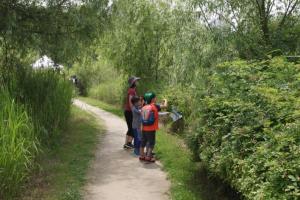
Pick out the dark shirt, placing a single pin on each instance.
(130, 92)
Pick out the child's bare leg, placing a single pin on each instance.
(150, 147)
(149, 151)
(128, 139)
(142, 148)
(147, 148)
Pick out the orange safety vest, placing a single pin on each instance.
(154, 126)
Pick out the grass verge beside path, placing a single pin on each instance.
(189, 180)
(107, 107)
(63, 169)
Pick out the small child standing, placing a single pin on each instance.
(137, 123)
(150, 125)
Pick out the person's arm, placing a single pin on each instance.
(131, 94)
(130, 103)
(135, 110)
(142, 101)
(164, 104)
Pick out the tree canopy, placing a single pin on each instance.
(58, 28)
(260, 26)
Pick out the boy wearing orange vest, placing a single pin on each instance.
(150, 125)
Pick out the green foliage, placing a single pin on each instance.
(239, 114)
(63, 169)
(166, 47)
(60, 29)
(18, 145)
(255, 27)
(48, 98)
(34, 111)
(181, 100)
(243, 117)
(37, 105)
(158, 43)
(103, 81)
(133, 43)
(247, 129)
(190, 180)
(39, 102)
(109, 92)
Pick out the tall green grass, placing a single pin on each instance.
(18, 145)
(34, 109)
(47, 96)
(102, 80)
(109, 92)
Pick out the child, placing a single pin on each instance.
(150, 125)
(137, 123)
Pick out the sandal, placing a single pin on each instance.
(150, 159)
(142, 158)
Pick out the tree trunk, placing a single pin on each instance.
(264, 20)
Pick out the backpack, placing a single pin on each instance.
(148, 115)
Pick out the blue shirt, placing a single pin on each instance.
(137, 117)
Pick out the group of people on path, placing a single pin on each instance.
(141, 114)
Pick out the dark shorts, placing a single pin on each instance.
(128, 117)
(148, 138)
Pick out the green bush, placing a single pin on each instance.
(101, 80)
(181, 98)
(109, 91)
(18, 145)
(247, 129)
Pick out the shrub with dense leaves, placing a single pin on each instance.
(248, 129)
(181, 98)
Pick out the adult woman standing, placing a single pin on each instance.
(131, 92)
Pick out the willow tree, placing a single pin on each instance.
(61, 29)
(158, 41)
(133, 41)
(259, 26)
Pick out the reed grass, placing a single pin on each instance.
(18, 145)
(47, 96)
(34, 109)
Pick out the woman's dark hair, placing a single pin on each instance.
(133, 85)
(135, 99)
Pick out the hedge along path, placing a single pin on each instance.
(116, 173)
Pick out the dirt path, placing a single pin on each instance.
(116, 174)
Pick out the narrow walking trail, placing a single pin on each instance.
(115, 173)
